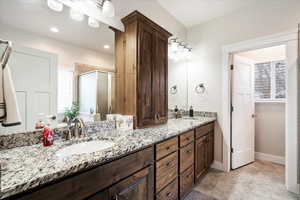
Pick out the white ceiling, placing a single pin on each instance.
(194, 12)
(36, 17)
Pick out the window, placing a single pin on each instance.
(65, 90)
(270, 81)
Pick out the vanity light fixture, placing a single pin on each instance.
(179, 50)
(108, 8)
(55, 5)
(76, 15)
(54, 29)
(78, 7)
(174, 45)
(93, 23)
(106, 46)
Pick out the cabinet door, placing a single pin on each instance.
(210, 149)
(145, 104)
(160, 78)
(201, 157)
(136, 187)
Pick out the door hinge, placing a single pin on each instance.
(231, 150)
(231, 67)
(232, 109)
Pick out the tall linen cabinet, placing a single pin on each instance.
(141, 54)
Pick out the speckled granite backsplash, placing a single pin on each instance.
(171, 114)
(20, 139)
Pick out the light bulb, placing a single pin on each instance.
(180, 47)
(93, 22)
(189, 54)
(108, 8)
(174, 46)
(76, 15)
(55, 5)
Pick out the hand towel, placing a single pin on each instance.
(9, 109)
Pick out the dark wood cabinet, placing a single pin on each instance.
(136, 187)
(204, 149)
(160, 78)
(166, 171)
(210, 149)
(201, 157)
(95, 181)
(141, 70)
(186, 182)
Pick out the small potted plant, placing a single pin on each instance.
(72, 113)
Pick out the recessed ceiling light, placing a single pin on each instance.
(54, 29)
(106, 46)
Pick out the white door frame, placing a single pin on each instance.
(291, 117)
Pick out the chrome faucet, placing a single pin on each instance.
(76, 130)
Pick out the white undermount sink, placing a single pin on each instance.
(84, 148)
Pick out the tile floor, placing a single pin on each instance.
(260, 180)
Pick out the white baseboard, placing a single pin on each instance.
(270, 157)
(217, 165)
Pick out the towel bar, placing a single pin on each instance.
(7, 52)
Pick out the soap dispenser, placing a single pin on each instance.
(176, 109)
(191, 112)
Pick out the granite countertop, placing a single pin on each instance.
(24, 168)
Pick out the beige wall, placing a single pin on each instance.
(270, 128)
(68, 54)
(266, 18)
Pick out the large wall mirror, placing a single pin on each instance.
(59, 66)
(62, 67)
(178, 84)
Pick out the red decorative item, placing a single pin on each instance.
(48, 137)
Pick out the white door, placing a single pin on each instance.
(242, 138)
(34, 74)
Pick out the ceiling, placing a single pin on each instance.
(34, 16)
(194, 12)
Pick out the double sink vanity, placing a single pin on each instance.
(161, 159)
(162, 162)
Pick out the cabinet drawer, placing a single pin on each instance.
(186, 181)
(203, 130)
(186, 138)
(170, 192)
(186, 157)
(166, 147)
(166, 171)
